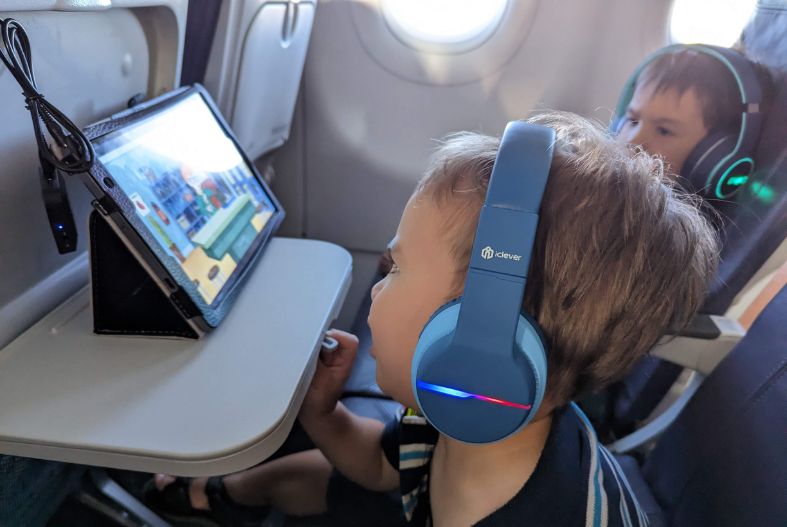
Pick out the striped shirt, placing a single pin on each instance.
(576, 482)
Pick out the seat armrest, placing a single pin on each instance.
(701, 326)
(702, 345)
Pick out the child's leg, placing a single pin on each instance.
(296, 484)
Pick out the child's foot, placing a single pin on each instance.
(201, 500)
(196, 490)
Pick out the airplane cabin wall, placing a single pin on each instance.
(372, 107)
(369, 112)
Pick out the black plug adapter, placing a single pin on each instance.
(58, 209)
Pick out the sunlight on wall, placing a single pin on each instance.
(717, 22)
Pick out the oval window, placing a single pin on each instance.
(717, 22)
(443, 26)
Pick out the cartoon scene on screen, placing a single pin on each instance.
(191, 189)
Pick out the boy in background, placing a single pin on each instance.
(679, 99)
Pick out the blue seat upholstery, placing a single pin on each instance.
(724, 460)
(755, 226)
(31, 490)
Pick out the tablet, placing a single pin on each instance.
(172, 181)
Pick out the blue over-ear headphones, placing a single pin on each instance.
(721, 164)
(480, 369)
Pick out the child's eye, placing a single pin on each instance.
(394, 269)
(665, 132)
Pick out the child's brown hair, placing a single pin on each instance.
(713, 83)
(620, 254)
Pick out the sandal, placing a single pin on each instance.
(174, 503)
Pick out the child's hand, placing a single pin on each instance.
(333, 369)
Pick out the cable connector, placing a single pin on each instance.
(64, 148)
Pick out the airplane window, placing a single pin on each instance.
(717, 22)
(443, 26)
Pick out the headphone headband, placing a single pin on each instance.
(479, 368)
(504, 238)
(521, 168)
(738, 66)
(741, 69)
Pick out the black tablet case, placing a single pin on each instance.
(126, 300)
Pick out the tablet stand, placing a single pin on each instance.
(126, 300)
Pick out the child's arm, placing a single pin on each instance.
(351, 443)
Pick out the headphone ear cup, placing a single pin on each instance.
(439, 310)
(452, 369)
(531, 344)
(701, 169)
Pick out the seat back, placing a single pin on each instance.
(758, 222)
(724, 461)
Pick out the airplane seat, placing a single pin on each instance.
(31, 489)
(723, 461)
(752, 230)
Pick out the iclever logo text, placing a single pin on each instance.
(487, 253)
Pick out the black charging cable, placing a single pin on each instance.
(62, 147)
(365, 394)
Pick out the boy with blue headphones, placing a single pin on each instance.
(618, 255)
(526, 270)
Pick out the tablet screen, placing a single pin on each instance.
(191, 188)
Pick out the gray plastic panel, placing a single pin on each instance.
(269, 76)
(255, 68)
(89, 63)
(205, 407)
